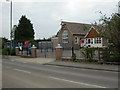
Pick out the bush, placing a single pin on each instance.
(114, 58)
(105, 54)
(89, 53)
(12, 52)
(5, 51)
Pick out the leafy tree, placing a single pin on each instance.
(109, 28)
(114, 32)
(24, 31)
(4, 40)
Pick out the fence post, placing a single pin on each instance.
(58, 52)
(46, 46)
(52, 47)
(99, 54)
(33, 51)
(73, 54)
(17, 50)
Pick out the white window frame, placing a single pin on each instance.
(100, 40)
(91, 40)
(97, 40)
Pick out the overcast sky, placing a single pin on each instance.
(46, 15)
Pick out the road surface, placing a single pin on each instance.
(32, 75)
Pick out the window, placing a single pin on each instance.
(65, 36)
(97, 40)
(91, 40)
(65, 40)
(88, 41)
(76, 40)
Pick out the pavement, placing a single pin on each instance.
(30, 60)
(52, 61)
(105, 67)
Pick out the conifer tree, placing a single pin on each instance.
(24, 31)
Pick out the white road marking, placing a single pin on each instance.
(22, 71)
(78, 82)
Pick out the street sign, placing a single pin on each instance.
(26, 43)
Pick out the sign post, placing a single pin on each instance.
(26, 43)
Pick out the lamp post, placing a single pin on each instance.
(10, 23)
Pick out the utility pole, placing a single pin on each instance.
(119, 7)
(10, 23)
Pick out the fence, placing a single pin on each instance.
(79, 54)
(46, 53)
(46, 46)
(49, 53)
(46, 49)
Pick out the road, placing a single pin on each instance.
(0, 72)
(32, 75)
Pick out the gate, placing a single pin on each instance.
(24, 50)
(46, 49)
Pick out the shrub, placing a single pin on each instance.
(114, 58)
(12, 52)
(5, 51)
(105, 54)
(88, 53)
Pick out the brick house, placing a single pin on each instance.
(71, 34)
(93, 39)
